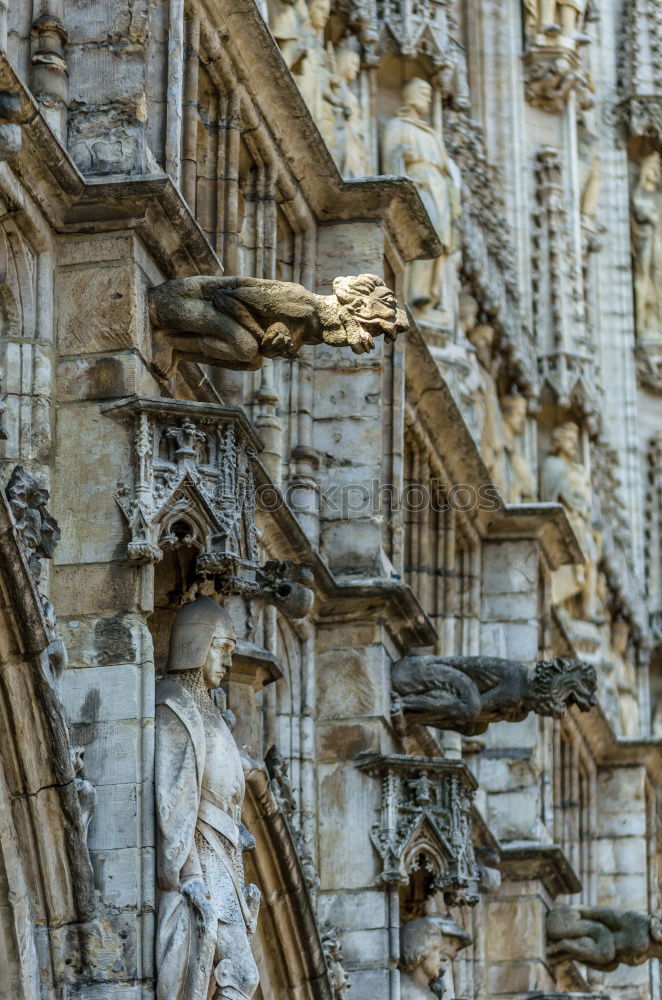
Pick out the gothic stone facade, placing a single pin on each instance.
(331, 506)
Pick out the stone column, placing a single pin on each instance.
(353, 704)
(511, 772)
(350, 417)
(102, 600)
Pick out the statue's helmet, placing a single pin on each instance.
(193, 629)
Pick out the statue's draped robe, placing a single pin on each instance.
(199, 788)
(413, 147)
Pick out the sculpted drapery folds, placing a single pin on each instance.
(566, 481)
(236, 322)
(412, 147)
(647, 250)
(520, 482)
(206, 914)
(467, 693)
(603, 938)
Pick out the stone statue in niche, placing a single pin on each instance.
(520, 482)
(626, 679)
(313, 73)
(421, 958)
(288, 21)
(647, 250)
(566, 481)
(492, 431)
(603, 938)
(478, 389)
(349, 144)
(467, 693)
(206, 914)
(556, 17)
(414, 148)
(236, 322)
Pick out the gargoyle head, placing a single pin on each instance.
(368, 309)
(561, 682)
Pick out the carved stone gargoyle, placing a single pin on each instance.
(603, 938)
(467, 693)
(236, 322)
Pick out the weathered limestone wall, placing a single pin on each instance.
(487, 486)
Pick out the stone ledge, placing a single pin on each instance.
(523, 860)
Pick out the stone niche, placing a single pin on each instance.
(424, 831)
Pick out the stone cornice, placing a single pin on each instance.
(150, 205)
(261, 70)
(524, 860)
(445, 426)
(609, 750)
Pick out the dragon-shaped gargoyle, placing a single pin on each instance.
(467, 693)
(236, 322)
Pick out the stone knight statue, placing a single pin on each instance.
(206, 913)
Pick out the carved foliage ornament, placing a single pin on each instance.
(333, 953)
(37, 528)
(425, 824)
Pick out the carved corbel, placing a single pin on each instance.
(287, 586)
(551, 74)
